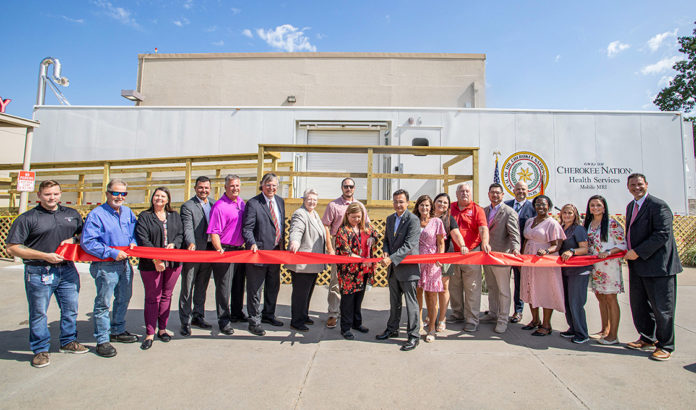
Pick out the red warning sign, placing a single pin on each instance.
(25, 181)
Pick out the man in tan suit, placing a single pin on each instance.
(504, 236)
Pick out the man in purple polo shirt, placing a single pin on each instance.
(332, 219)
(225, 230)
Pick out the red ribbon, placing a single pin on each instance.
(74, 253)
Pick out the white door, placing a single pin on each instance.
(329, 188)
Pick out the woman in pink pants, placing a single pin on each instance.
(158, 227)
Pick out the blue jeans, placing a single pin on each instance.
(113, 279)
(40, 283)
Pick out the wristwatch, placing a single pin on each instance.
(572, 250)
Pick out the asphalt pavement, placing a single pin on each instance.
(319, 369)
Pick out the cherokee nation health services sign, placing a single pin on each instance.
(527, 167)
(575, 180)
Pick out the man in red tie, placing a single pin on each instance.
(653, 263)
(263, 228)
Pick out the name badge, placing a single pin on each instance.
(47, 279)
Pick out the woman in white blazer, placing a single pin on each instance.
(307, 234)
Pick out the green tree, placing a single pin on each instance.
(680, 94)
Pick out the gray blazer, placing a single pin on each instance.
(195, 224)
(503, 230)
(307, 229)
(402, 243)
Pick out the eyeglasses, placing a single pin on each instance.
(348, 186)
(115, 193)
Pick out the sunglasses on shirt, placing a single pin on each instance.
(114, 193)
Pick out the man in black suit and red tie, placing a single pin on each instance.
(263, 227)
(653, 263)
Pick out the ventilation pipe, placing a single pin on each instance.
(43, 76)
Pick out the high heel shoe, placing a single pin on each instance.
(147, 343)
(531, 326)
(542, 331)
(165, 337)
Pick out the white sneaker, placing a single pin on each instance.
(500, 328)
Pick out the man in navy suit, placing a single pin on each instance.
(263, 227)
(195, 216)
(653, 263)
(400, 240)
(524, 210)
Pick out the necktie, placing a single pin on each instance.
(517, 207)
(633, 218)
(275, 222)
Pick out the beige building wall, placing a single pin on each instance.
(12, 151)
(314, 79)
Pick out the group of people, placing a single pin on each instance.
(651, 256)
(435, 226)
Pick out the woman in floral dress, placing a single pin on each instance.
(606, 238)
(353, 239)
(432, 240)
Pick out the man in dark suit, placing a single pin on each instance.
(653, 263)
(401, 239)
(264, 222)
(524, 210)
(195, 215)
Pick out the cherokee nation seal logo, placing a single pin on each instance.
(527, 167)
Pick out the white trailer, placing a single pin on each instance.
(575, 154)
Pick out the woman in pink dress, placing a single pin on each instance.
(452, 235)
(432, 240)
(542, 287)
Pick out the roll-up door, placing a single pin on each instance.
(338, 162)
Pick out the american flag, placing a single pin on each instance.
(496, 173)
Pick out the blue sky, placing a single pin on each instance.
(595, 55)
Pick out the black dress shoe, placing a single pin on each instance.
(272, 321)
(387, 334)
(147, 343)
(309, 322)
(256, 330)
(125, 337)
(301, 328)
(106, 350)
(185, 330)
(348, 335)
(165, 337)
(410, 344)
(361, 329)
(227, 330)
(201, 323)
